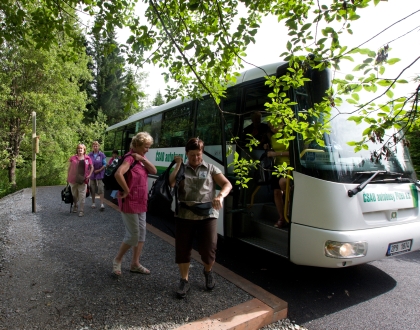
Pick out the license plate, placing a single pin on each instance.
(399, 247)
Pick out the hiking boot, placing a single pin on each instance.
(184, 287)
(210, 282)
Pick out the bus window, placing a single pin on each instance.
(255, 99)
(129, 134)
(139, 126)
(209, 128)
(147, 125)
(230, 108)
(156, 129)
(208, 122)
(176, 127)
(109, 144)
(118, 142)
(302, 97)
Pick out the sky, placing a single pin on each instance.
(272, 38)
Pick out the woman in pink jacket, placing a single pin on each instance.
(80, 169)
(132, 201)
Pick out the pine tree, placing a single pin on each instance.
(115, 90)
(158, 100)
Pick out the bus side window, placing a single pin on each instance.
(110, 141)
(156, 129)
(176, 127)
(208, 122)
(118, 142)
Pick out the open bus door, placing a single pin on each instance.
(254, 211)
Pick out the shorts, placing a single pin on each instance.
(96, 187)
(135, 228)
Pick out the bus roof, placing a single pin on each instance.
(251, 74)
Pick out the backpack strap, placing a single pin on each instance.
(125, 156)
(179, 177)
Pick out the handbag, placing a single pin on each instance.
(66, 195)
(80, 179)
(161, 194)
(265, 169)
(80, 175)
(201, 209)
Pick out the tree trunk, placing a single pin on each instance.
(15, 138)
(12, 173)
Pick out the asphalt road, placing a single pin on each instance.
(379, 295)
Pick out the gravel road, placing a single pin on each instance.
(55, 273)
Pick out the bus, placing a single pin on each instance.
(343, 208)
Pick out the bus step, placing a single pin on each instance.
(280, 248)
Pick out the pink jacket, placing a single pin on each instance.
(136, 178)
(74, 163)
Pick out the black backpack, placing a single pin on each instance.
(265, 169)
(109, 180)
(66, 195)
(161, 194)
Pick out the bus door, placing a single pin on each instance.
(257, 212)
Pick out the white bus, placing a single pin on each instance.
(343, 208)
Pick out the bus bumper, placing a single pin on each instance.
(307, 244)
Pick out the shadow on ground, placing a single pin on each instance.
(311, 292)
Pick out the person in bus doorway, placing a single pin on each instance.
(280, 153)
(79, 171)
(258, 130)
(198, 212)
(132, 201)
(113, 161)
(115, 156)
(99, 164)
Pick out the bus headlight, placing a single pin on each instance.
(345, 250)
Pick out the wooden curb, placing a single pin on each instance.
(264, 309)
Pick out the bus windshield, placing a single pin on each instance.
(337, 161)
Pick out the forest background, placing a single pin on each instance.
(80, 79)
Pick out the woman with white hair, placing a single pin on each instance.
(132, 201)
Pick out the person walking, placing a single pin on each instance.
(132, 201)
(79, 170)
(99, 164)
(112, 163)
(198, 212)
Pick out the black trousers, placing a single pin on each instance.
(205, 231)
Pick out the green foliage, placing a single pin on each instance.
(242, 169)
(94, 131)
(114, 90)
(201, 45)
(283, 170)
(158, 100)
(46, 82)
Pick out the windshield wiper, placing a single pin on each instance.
(360, 174)
(417, 183)
(362, 186)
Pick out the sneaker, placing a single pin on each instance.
(210, 282)
(184, 287)
(102, 207)
(75, 209)
(94, 206)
